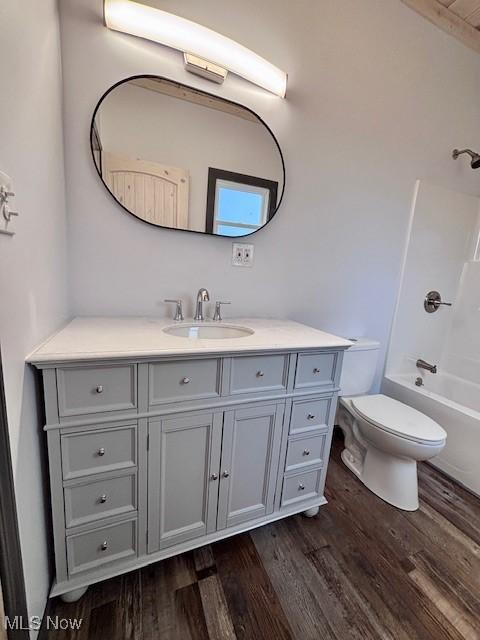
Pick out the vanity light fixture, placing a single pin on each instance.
(213, 49)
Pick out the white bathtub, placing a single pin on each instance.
(455, 404)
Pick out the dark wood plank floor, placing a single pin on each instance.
(359, 570)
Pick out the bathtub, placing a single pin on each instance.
(455, 404)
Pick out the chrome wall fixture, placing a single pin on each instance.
(5, 212)
(423, 364)
(475, 157)
(433, 302)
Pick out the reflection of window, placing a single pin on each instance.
(237, 204)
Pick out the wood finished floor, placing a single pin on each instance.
(359, 570)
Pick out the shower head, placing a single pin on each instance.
(475, 163)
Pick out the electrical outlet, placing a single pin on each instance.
(242, 254)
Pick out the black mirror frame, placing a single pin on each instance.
(185, 86)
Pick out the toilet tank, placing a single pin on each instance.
(359, 367)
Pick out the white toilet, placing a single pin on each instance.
(384, 438)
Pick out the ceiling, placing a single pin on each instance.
(459, 18)
(469, 10)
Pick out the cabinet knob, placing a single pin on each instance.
(104, 545)
(311, 416)
(103, 498)
(306, 452)
(301, 486)
(101, 451)
(260, 374)
(226, 474)
(99, 389)
(316, 370)
(214, 476)
(185, 380)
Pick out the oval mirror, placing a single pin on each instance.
(182, 158)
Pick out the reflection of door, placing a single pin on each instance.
(152, 191)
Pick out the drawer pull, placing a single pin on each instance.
(226, 474)
(101, 451)
(99, 389)
(185, 380)
(104, 545)
(316, 370)
(306, 452)
(214, 476)
(311, 416)
(103, 498)
(260, 374)
(301, 486)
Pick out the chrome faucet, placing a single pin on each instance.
(202, 296)
(421, 364)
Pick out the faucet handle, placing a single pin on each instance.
(179, 310)
(218, 316)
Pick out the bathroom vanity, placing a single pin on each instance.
(160, 441)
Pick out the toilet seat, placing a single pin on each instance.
(399, 419)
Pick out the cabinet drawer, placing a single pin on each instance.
(184, 380)
(91, 501)
(310, 414)
(301, 486)
(84, 390)
(98, 451)
(108, 544)
(305, 451)
(258, 373)
(316, 370)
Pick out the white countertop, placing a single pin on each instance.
(97, 338)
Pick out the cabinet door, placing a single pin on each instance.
(183, 467)
(250, 456)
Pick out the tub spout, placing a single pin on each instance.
(422, 364)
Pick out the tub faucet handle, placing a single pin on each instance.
(433, 301)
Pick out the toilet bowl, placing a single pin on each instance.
(384, 438)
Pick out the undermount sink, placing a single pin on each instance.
(208, 331)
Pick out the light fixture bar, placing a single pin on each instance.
(190, 37)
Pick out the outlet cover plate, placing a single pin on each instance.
(242, 254)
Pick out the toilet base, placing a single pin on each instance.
(391, 478)
(355, 464)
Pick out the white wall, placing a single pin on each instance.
(443, 227)
(32, 264)
(377, 98)
(462, 348)
(149, 125)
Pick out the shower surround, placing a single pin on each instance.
(443, 254)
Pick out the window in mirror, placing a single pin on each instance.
(238, 205)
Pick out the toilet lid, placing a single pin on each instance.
(398, 418)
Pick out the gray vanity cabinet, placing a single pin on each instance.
(250, 456)
(209, 471)
(153, 456)
(183, 477)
